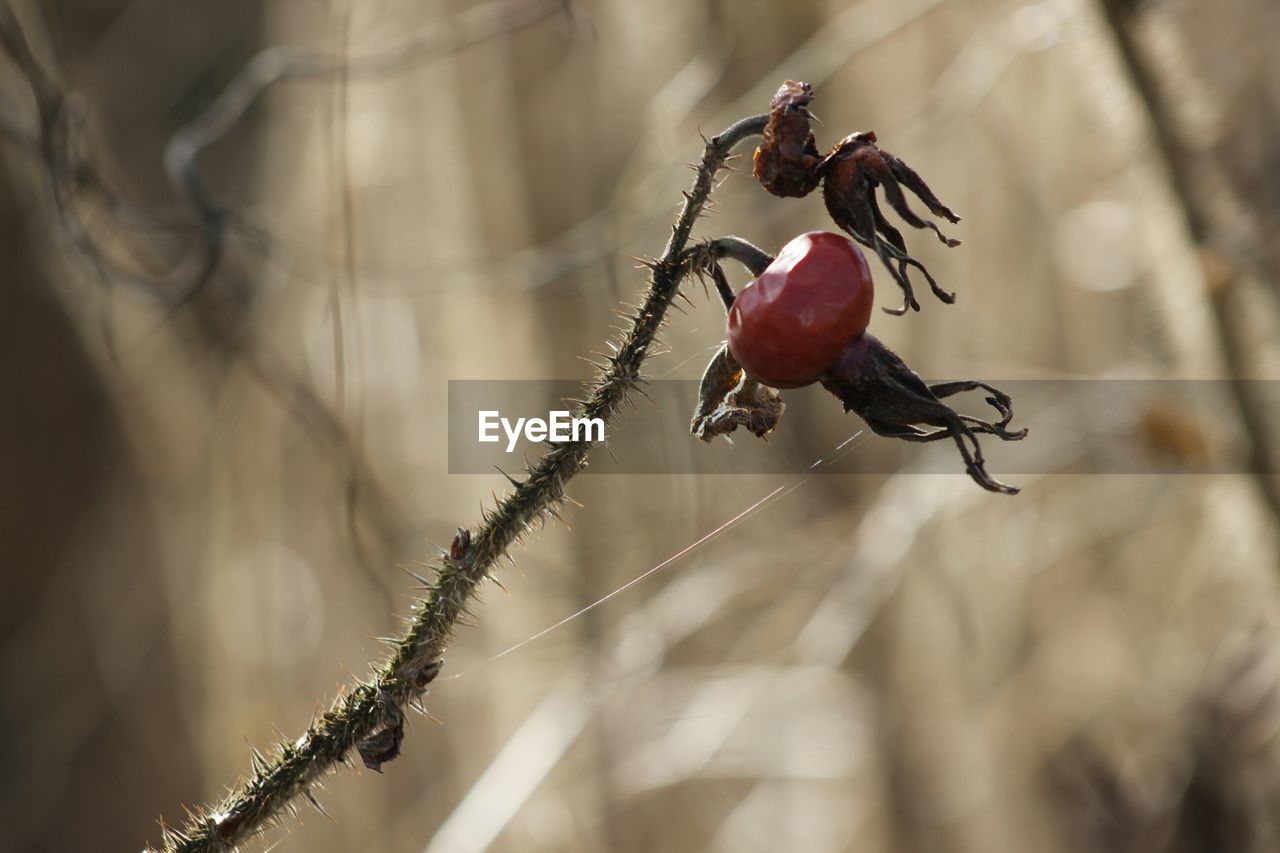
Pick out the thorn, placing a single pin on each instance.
(426, 584)
(512, 480)
(311, 798)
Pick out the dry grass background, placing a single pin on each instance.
(202, 510)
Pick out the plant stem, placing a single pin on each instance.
(749, 255)
(277, 782)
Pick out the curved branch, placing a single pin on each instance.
(279, 64)
(749, 255)
(370, 715)
(704, 260)
(70, 171)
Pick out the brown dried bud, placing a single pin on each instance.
(383, 745)
(427, 674)
(460, 545)
(787, 159)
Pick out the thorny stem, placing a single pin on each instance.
(283, 63)
(278, 781)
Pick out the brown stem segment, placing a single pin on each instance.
(360, 716)
(755, 259)
(704, 259)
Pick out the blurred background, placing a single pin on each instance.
(223, 425)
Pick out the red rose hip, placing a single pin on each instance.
(790, 324)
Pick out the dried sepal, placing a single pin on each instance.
(786, 161)
(851, 173)
(728, 398)
(880, 388)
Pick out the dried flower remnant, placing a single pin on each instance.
(851, 173)
(874, 383)
(729, 398)
(786, 165)
(786, 162)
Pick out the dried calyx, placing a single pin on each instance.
(874, 383)
(787, 163)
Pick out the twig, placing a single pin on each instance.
(70, 171)
(371, 709)
(278, 64)
(704, 260)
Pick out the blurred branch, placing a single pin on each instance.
(70, 172)
(370, 716)
(77, 182)
(279, 64)
(53, 139)
(1213, 221)
(13, 129)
